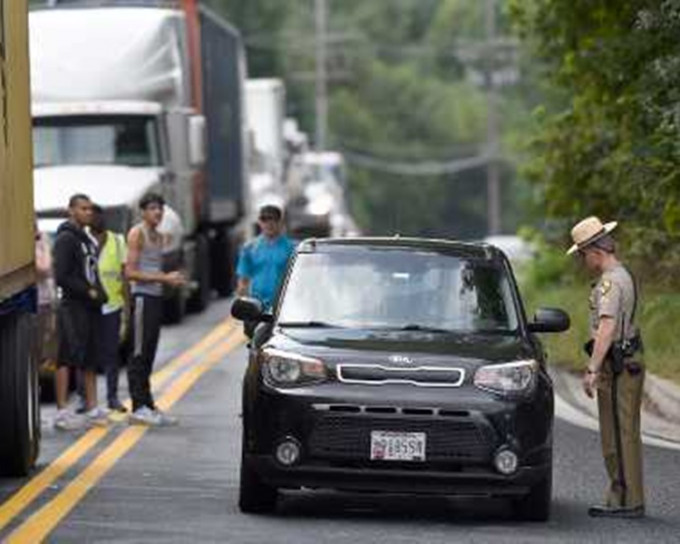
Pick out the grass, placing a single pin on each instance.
(659, 321)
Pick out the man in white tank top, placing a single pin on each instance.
(144, 270)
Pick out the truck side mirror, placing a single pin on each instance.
(197, 139)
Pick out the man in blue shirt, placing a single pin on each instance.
(263, 261)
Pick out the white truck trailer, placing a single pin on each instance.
(265, 106)
(132, 99)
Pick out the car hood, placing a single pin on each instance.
(108, 186)
(408, 347)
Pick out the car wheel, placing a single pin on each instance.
(255, 497)
(223, 256)
(200, 298)
(535, 505)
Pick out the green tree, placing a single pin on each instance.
(399, 91)
(607, 139)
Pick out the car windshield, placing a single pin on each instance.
(398, 290)
(124, 140)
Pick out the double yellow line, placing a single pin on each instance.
(208, 352)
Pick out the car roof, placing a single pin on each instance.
(473, 250)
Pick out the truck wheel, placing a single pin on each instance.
(535, 506)
(223, 257)
(19, 403)
(255, 497)
(200, 298)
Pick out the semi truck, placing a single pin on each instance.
(265, 107)
(19, 407)
(130, 97)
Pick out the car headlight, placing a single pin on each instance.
(284, 368)
(513, 378)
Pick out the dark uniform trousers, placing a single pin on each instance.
(622, 450)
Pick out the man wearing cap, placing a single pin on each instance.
(263, 261)
(614, 369)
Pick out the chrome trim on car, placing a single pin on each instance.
(410, 381)
(424, 411)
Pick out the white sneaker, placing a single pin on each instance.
(166, 419)
(66, 421)
(145, 416)
(98, 417)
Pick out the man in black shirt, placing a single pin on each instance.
(82, 296)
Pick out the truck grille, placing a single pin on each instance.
(424, 376)
(347, 436)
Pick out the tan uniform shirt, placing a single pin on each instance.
(613, 296)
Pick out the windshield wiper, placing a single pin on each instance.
(309, 324)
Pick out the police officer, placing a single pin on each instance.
(614, 370)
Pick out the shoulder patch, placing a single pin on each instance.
(605, 287)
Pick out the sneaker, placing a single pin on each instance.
(116, 406)
(66, 421)
(166, 419)
(98, 417)
(145, 416)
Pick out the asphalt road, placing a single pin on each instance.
(180, 484)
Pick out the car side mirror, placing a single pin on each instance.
(550, 320)
(250, 309)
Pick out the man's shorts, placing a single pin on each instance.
(77, 328)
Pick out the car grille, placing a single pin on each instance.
(346, 435)
(423, 376)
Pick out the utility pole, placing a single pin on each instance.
(320, 11)
(492, 130)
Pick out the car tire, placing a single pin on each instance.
(19, 402)
(535, 505)
(200, 298)
(223, 258)
(255, 497)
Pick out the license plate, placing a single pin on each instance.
(397, 446)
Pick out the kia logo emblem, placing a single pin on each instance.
(401, 360)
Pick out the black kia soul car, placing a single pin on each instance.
(398, 365)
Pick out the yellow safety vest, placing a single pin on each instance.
(111, 259)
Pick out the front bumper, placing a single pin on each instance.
(436, 482)
(333, 425)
